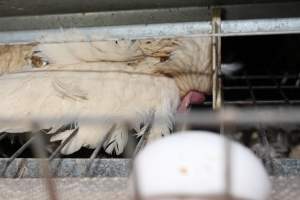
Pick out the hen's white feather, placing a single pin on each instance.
(140, 81)
(40, 95)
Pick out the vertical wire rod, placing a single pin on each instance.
(250, 89)
(278, 85)
(217, 96)
(143, 140)
(20, 150)
(3, 135)
(17, 153)
(39, 151)
(98, 148)
(57, 150)
(140, 144)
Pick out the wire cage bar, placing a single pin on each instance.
(51, 164)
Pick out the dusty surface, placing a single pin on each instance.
(284, 188)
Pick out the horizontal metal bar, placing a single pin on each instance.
(259, 76)
(207, 103)
(108, 167)
(259, 87)
(107, 18)
(188, 29)
(260, 102)
(108, 33)
(260, 27)
(268, 115)
(146, 16)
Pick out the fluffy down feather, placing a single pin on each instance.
(141, 81)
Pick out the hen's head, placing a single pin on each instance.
(188, 61)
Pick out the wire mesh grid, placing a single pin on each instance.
(266, 89)
(92, 167)
(242, 90)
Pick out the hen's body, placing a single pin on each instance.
(140, 82)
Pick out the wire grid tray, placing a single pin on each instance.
(62, 168)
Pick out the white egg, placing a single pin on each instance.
(193, 163)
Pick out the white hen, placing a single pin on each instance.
(141, 81)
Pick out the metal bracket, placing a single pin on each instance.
(216, 58)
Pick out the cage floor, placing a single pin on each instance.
(111, 188)
(62, 168)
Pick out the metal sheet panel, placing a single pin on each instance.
(33, 7)
(32, 168)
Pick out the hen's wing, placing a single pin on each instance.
(125, 79)
(64, 97)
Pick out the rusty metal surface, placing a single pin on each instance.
(284, 188)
